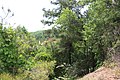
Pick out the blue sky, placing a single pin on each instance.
(26, 12)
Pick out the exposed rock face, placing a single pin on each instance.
(103, 73)
(110, 71)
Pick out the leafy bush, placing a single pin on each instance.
(6, 76)
(40, 71)
(43, 56)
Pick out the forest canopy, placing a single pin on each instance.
(78, 43)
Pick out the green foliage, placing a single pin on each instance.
(43, 56)
(5, 76)
(39, 35)
(52, 14)
(85, 39)
(40, 71)
(42, 35)
(78, 43)
(20, 53)
(9, 56)
(16, 49)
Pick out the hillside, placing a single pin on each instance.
(109, 71)
(103, 73)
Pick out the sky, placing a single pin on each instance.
(27, 13)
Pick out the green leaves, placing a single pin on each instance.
(43, 56)
(78, 42)
(66, 18)
(15, 48)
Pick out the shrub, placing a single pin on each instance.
(43, 56)
(6, 76)
(40, 71)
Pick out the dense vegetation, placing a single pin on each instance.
(77, 44)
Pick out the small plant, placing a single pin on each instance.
(40, 71)
(109, 64)
(117, 72)
(6, 76)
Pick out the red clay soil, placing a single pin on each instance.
(103, 73)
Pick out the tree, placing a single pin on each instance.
(17, 49)
(7, 15)
(85, 39)
(52, 15)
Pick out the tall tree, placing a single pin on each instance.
(52, 14)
